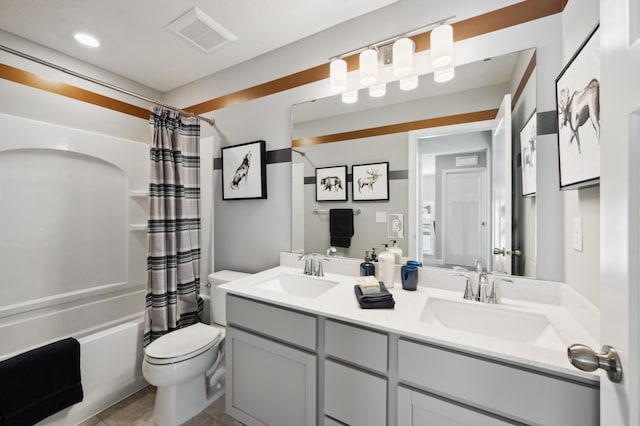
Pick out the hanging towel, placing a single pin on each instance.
(381, 300)
(341, 227)
(38, 383)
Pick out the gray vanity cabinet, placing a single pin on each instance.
(355, 386)
(418, 409)
(269, 381)
(287, 367)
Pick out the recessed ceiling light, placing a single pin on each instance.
(86, 39)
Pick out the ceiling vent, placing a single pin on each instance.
(201, 30)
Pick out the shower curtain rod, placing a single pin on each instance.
(105, 84)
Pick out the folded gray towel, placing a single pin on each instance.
(381, 300)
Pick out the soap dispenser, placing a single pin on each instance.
(396, 251)
(386, 267)
(366, 267)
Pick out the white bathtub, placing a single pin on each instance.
(110, 334)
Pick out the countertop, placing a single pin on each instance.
(546, 355)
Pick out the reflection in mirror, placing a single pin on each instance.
(440, 143)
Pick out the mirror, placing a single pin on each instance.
(439, 142)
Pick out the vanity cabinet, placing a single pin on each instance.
(288, 367)
(269, 381)
(417, 409)
(505, 391)
(355, 386)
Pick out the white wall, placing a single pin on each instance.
(582, 268)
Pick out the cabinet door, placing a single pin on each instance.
(353, 396)
(268, 383)
(415, 409)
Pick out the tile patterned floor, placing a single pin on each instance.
(137, 410)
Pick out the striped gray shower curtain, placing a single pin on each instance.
(173, 236)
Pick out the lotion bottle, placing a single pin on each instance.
(397, 252)
(386, 267)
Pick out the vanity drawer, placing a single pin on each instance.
(353, 396)
(510, 391)
(356, 345)
(283, 324)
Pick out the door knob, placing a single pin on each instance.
(586, 359)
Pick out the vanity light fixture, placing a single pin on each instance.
(409, 83)
(443, 75)
(398, 51)
(86, 39)
(378, 90)
(403, 50)
(368, 67)
(350, 97)
(442, 46)
(338, 75)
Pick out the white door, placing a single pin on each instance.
(464, 223)
(619, 196)
(501, 189)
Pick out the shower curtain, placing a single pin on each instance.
(173, 236)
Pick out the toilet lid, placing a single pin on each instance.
(185, 341)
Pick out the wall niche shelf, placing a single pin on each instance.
(138, 193)
(138, 227)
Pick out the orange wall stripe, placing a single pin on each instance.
(516, 14)
(398, 128)
(33, 80)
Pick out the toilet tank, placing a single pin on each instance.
(218, 296)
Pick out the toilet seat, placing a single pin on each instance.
(183, 344)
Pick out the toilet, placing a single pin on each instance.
(187, 365)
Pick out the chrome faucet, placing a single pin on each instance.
(494, 297)
(468, 289)
(313, 264)
(331, 250)
(309, 264)
(483, 283)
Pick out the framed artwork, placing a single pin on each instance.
(244, 171)
(528, 138)
(370, 182)
(578, 106)
(331, 183)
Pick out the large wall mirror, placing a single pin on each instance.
(453, 157)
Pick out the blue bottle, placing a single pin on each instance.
(366, 267)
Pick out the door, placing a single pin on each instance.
(501, 189)
(619, 196)
(464, 197)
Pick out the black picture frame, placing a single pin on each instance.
(331, 183)
(578, 109)
(370, 182)
(244, 171)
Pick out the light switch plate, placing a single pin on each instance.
(381, 217)
(576, 234)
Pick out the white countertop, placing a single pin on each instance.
(548, 354)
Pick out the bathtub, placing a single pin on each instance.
(109, 330)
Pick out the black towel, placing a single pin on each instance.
(381, 300)
(39, 383)
(341, 227)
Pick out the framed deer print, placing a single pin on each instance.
(578, 106)
(244, 171)
(528, 137)
(331, 183)
(370, 182)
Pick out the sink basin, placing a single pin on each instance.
(493, 321)
(303, 286)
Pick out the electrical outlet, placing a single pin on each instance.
(576, 234)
